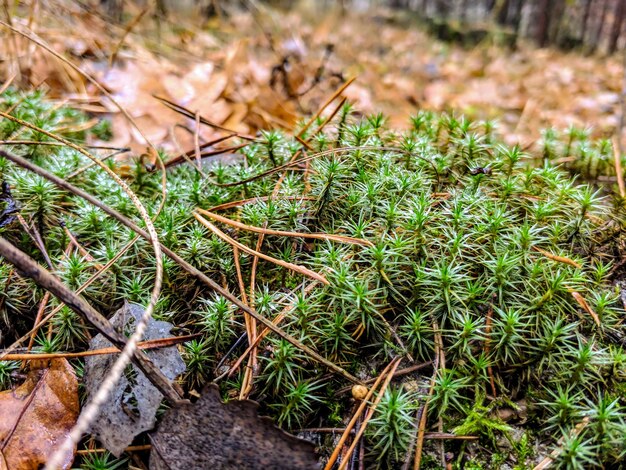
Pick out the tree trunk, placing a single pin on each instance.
(516, 21)
(598, 36)
(557, 14)
(543, 21)
(585, 20)
(443, 8)
(501, 11)
(616, 30)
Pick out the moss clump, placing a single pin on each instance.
(470, 243)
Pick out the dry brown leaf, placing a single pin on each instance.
(180, 90)
(236, 118)
(37, 417)
(211, 434)
(151, 127)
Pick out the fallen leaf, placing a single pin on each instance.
(37, 416)
(212, 434)
(132, 405)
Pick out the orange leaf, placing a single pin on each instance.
(37, 416)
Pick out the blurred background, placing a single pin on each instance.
(526, 65)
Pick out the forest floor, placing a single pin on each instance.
(260, 69)
(436, 221)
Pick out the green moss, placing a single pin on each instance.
(459, 224)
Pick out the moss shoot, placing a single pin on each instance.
(506, 260)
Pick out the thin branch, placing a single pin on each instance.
(293, 267)
(188, 114)
(182, 154)
(43, 278)
(92, 164)
(548, 461)
(357, 414)
(333, 151)
(339, 91)
(148, 344)
(397, 373)
(368, 416)
(58, 308)
(253, 200)
(586, 307)
(559, 259)
(279, 318)
(134, 22)
(280, 233)
(423, 414)
(60, 144)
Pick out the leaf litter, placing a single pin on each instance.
(38, 415)
(252, 70)
(212, 434)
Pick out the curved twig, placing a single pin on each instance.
(323, 154)
(240, 246)
(281, 233)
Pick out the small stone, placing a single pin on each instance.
(359, 392)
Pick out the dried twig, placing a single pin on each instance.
(435, 436)
(246, 383)
(280, 233)
(397, 373)
(329, 117)
(60, 144)
(338, 150)
(332, 98)
(127, 450)
(586, 307)
(182, 154)
(276, 321)
(423, 414)
(191, 115)
(369, 414)
(38, 321)
(90, 165)
(333, 458)
(253, 200)
(84, 286)
(293, 267)
(81, 248)
(559, 259)
(549, 460)
(148, 344)
(134, 22)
